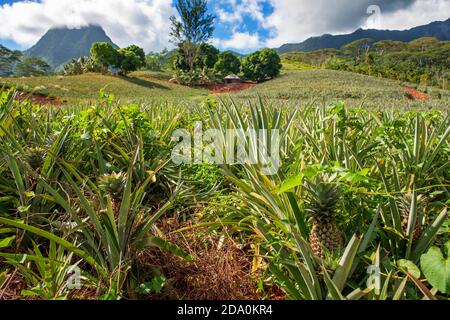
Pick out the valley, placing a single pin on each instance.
(251, 160)
(300, 86)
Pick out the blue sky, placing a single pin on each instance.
(241, 25)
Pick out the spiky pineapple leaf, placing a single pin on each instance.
(7, 242)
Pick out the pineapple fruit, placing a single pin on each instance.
(405, 207)
(113, 184)
(36, 157)
(321, 201)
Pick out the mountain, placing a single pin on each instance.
(237, 54)
(439, 30)
(60, 45)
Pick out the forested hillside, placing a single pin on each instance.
(423, 61)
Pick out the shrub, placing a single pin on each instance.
(156, 61)
(262, 65)
(81, 66)
(227, 63)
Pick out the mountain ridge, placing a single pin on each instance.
(437, 29)
(59, 45)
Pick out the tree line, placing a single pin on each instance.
(423, 61)
(14, 63)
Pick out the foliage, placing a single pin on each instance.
(227, 63)
(203, 72)
(126, 59)
(320, 86)
(207, 56)
(81, 66)
(156, 61)
(129, 61)
(195, 77)
(114, 215)
(205, 60)
(104, 54)
(373, 171)
(261, 65)
(86, 187)
(139, 52)
(32, 66)
(436, 268)
(138, 87)
(196, 27)
(8, 59)
(422, 61)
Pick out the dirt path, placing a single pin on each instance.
(229, 88)
(413, 94)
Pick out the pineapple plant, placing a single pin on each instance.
(405, 207)
(321, 201)
(113, 184)
(35, 157)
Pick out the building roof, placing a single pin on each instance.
(232, 76)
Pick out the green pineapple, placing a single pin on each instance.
(36, 157)
(321, 201)
(113, 184)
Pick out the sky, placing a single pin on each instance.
(241, 25)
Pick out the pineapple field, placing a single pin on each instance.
(93, 207)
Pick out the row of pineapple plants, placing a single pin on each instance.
(358, 209)
(84, 187)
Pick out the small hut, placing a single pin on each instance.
(232, 78)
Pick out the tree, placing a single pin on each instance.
(196, 27)
(8, 58)
(128, 61)
(207, 56)
(227, 63)
(359, 48)
(180, 62)
(155, 61)
(425, 43)
(262, 65)
(32, 66)
(139, 52)
(104, 54)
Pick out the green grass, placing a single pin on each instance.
(139, 86)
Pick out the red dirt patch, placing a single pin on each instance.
(229, 88)
(39, 99)
(413, 94)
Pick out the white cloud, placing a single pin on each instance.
(297, 20)
(145, 22)
(420, 13)
(142, 22)
(239, 41)
(237, 12)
